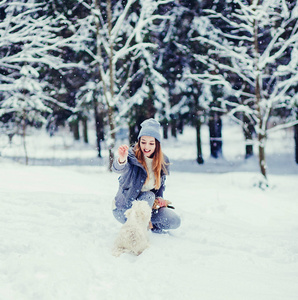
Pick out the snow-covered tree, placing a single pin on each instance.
(173, 57)
(190, 100)
(123, 53)
(66, 82)
(254, 57)
(25, 101)
(29, 45)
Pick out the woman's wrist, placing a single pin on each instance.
(121, 161)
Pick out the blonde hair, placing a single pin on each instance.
(158, 163)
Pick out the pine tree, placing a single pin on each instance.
(254, 60)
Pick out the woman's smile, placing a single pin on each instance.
(147, 145)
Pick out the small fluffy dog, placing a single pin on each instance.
(133, 237)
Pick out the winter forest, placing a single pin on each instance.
(113, 64)
(78, 77)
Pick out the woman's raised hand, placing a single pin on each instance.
(123, 153)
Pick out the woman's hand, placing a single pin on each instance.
(160, 202)
(123, 153)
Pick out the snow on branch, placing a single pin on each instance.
(266, 58)
(121, 19)
(213, 14)
(282, 126)
(146, 18)
(229, 51)
(209, 79)
(123, 52)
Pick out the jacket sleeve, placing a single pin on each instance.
(119, 168)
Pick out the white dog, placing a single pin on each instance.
(133, 237)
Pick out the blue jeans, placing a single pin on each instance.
(162, 219)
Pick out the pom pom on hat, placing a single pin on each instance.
(150, 127)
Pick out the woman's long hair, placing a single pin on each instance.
(158, 163)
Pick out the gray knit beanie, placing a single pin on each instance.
(150, 127)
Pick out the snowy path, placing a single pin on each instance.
(57, 229)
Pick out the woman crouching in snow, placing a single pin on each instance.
(143, 170)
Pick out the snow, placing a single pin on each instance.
(235, 242)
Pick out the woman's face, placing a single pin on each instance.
(148, 145)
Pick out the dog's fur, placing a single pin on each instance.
(133, 237)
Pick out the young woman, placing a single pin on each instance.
(143, 170)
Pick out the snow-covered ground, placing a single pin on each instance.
(236, 242)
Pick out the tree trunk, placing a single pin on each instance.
(249, 151)
(296, 142)
(133, 134)
(108, 87)
(99, 125)
(262, 161)
(174, 127)
(262, 125)
(112, 137)
(180, 125)
(248, 130)
(85, 129)
(261, 137)
(215, 128)
(165, 127)
(200, 159)
(24, 138)
(75, 129)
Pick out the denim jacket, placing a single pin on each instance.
(132, 179)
